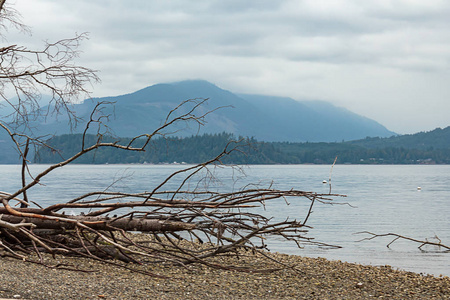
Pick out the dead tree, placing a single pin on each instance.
(220, 222)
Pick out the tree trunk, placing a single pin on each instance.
(105, 223)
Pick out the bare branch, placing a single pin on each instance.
(398, 236)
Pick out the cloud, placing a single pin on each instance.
(379, 58)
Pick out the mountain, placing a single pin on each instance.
(316, 121)
(264, 117)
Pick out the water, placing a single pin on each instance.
(385, 199)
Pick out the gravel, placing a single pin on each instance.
(315, 278)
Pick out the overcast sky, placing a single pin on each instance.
(386, 60)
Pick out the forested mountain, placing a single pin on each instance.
(435, 139)
(262, 117)
(265, 118)
(278, 121)
(420, 148)
(197, 149)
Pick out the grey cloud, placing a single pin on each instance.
(344, 51)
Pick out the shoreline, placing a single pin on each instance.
(315, 278)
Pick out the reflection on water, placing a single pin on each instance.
(385, 199)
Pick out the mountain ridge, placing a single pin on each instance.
(267, 118)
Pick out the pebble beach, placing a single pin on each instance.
(312, 278)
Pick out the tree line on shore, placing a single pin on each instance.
(200, 148)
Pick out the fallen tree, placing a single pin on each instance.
(195, 210)
(223, 221)
(220, 223)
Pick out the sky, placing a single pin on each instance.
(388, 60)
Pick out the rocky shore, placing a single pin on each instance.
(312, 279)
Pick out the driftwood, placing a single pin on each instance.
(100, 223)
(220, 223)
(442, 247)
(223, 221)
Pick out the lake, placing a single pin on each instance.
(383, 198)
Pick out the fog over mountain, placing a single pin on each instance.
(266, 118)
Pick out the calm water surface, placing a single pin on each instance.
(385, 199)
